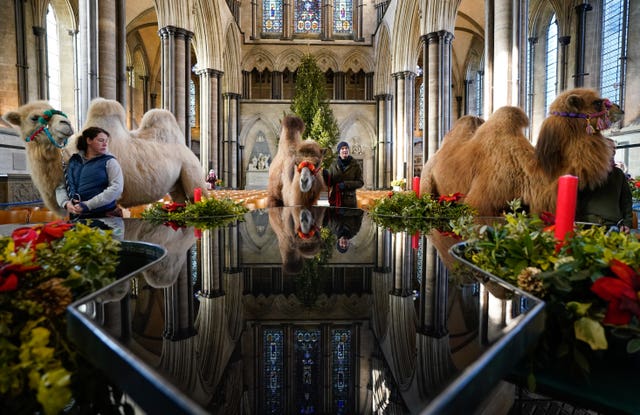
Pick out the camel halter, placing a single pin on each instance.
(603, 122)
(308, 165)
(308, 235)
(44, 126)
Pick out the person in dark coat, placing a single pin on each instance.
(610, 204)
(343, 177)
(344, 224)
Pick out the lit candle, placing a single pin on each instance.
(566, 205)
(416, 185)
(197, 194)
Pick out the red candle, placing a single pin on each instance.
(415, 240)
(416, 185)
(197, 233)
(197, 194)
(566, 205)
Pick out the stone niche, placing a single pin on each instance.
(257, 173)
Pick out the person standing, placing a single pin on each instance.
(93, 178)
(343, 177)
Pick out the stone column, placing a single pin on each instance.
(563, 47)
(179, 307)
(107, 49)
(403, 264)
(40, 34)
(246, 85)
(581, 10)
(287, 17)
(130, 75)
(468, 95)
(368, 86)
(176, 72)
(327, 20)
(230, 143)
(22, 64)
(121, 55)
(339, 86)
(209, 115)
(432, 315)
(276, 85)
(357, 20)
(437, 94)
(254, 21)
(145, 93)
(88, 57)
(383, 153)
(211, 264)
(505, 35)
(403, 127)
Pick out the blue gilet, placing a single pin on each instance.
(89, 179)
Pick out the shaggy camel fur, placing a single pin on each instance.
(298, 231)
(498, 164)
(154, 159)
(293, 174)
(44, 157)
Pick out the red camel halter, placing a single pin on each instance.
(603, 122)
(308, 165)
(309, 234)
(44, 126)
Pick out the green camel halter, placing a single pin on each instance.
(44, 126)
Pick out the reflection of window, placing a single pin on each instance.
(343, 17)
(272, 16)
(551, 67)
(53, 58)
(307, 16)
(614, 36)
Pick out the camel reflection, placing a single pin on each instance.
(298, 231)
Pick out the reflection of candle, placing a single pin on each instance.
(416, 185)
(197, 233)
(197, 194)
(566, 205)
(415, 240)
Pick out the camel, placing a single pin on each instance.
(298, 231)
(498, 164)
(154, 159)
(46, 132)
(293, 173)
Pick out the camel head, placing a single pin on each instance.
(38, 122)
(307, 164)
(597, 113)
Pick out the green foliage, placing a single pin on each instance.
(309, 282)
(404, 211)
(310, 103)
(209, 213)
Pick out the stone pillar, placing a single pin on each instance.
(21, 53)
(368, 86)
(246, 85)
(357, 20)
(276, 85)
(563, 48)
(437, 94)
(467, 95)
(41, 61)
(210, 252)
(327, 20)
(209, 115)
(432, 316)
(130, 113)
(88, 57)
(403, 127)
(145, 93)
(179, 307)
(403, 264)
(505, 36)
(581, 10)
(339, 86)
(107, 49)
(121, 55)
(254, 21)
(287, 16)
(176, 72)
(383, 153)
(230, 143)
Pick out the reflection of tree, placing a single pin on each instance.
(308, 282)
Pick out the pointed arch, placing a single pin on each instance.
(382, 74)
(232, 79)
(406, 36)
(208, 34)
(327, 60)
(259, 59)
(357, 60)
(289, 59)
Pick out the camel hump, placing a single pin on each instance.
(508, 119)
(160, 125)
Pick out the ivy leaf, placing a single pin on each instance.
(591, 332)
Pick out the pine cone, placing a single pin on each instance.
(529, 282)
(52, 295)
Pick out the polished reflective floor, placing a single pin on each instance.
(304, 310)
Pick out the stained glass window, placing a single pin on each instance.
(551, 69)
(307, 370)
(273, 347)
(307, 16)
(613, 46)
(341, 369)
(343, 17)
(272, 16)
(192, 103)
